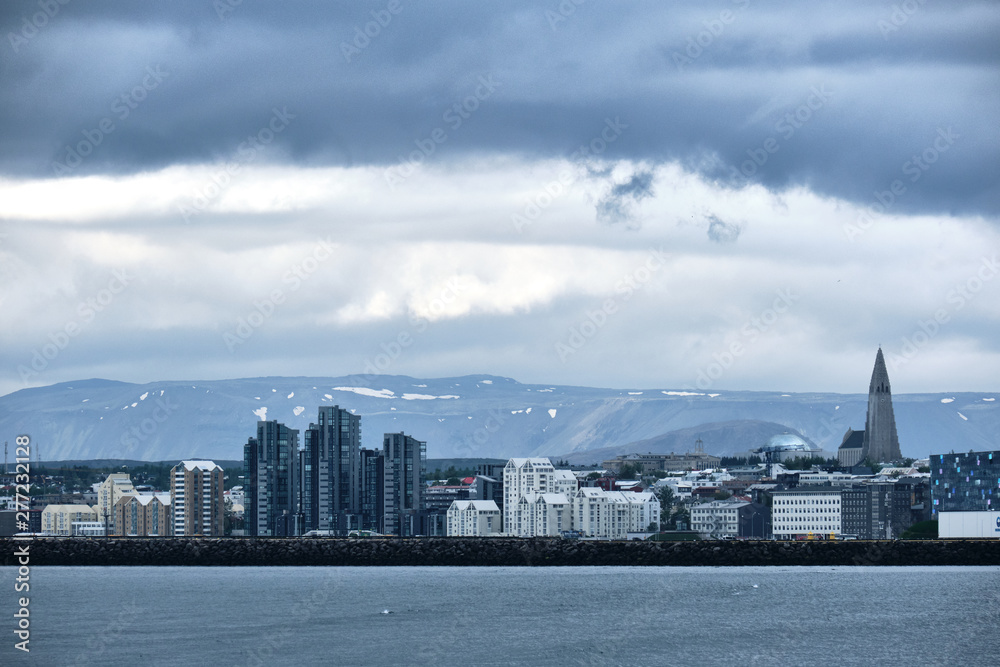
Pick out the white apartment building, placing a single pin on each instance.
(540, 514)
(565, 482)
(613, 514)
(59, 519)
(805, 510)
(522, 477)
(473, 518)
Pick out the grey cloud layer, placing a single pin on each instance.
(844, 100)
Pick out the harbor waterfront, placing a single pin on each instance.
(511, 616)
(493, 552)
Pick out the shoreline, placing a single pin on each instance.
(488, 552)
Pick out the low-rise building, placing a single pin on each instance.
(144, 515)
(732, 519)
(965, 489)
(479, 518)
(812, 510)
(59, 519)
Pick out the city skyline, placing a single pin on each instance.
(752, 197)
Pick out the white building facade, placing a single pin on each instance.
(522, 477)
(799, 512)
(613, 514)
(473, 518)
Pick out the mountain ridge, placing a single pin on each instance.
(460, 417)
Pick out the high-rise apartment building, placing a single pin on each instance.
(372, 473)
(271, 480)
(331, 472)
(403, 483)
(196, 498)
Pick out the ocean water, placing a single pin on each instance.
(508, 616)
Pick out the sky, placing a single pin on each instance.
(724, 195)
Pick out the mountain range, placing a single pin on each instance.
(474, 416)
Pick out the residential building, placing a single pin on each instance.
(565, 482)
(372, 471)
(812, 510)
(111, 490)
(541, 514)
(405, 469)
(270, 481)
(522, 476)
(613, 514)
(59, 519)
(144, 515)
(474, 518)
(731, 519)
(196, 498)
(331, 472)
(965, 492)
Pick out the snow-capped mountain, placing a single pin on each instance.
(471, 416)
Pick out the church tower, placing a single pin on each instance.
(880, 443)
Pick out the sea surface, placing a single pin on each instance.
(507, 616)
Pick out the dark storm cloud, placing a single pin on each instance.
(843, 99)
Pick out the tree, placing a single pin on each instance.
(666, 503)
(722, 494)
(652, 527)
(627, 471)
(453, 481)
(594, 475)
(924, 530)
(682, 515)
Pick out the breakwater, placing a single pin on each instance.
(490, 552)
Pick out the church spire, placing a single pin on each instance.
(881, 443)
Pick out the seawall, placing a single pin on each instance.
(489, 552)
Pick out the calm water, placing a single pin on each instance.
(508, 616)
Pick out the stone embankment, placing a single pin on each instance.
(490, 552)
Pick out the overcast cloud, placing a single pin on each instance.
(735, 194)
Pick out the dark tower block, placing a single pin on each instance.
(880, 443)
